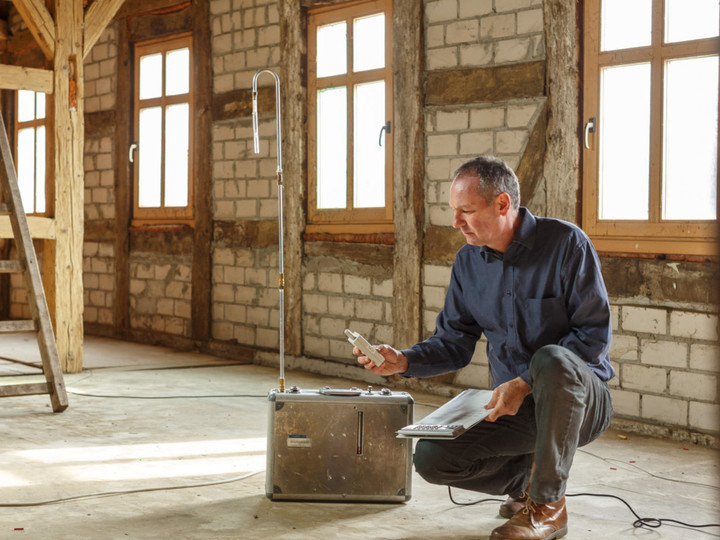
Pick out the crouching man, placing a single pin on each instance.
(533, 286)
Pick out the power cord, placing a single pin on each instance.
(115, 493)
(652, 523)
(167, 397)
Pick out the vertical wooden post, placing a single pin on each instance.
(408, 171)
(69, 182)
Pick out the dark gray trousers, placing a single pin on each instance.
(569, 407)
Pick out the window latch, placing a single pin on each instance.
(589, 128)
(387, 129)
(131, 152)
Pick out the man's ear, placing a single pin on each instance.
(503, 203)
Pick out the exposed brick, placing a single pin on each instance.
(696, 386)
(694, 325)
(626, 403)
(461, 31)
(664, 409)
(452, 120)
(664, 353)
(441, 10)
(357, 285)
(624, 347)
(704, 416)
(647, 320)
(497, 26)
(650, 379)
(705, 357)
(437, 275)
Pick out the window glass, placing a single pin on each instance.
(151, 76)
(369, 42)
(332, 148)
(626, 23)
(332, 49)
(691, 19)
(40, 156)
(26, 105)
(26, 168)
(150, 143)
(176, 152)
(624, 127)
(177, 72)
(691, 139)
(369, 185)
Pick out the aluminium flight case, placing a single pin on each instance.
(338, 444)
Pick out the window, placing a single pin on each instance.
(350, 107)
(163, 131)
(31, 150)
(651, 126)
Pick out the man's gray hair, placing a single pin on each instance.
(494, 177)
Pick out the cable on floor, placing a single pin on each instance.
(108, 396)
(128, 492)
(652, 523)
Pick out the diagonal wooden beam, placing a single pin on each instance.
(40, 23)
(97, 17)
(25, 78)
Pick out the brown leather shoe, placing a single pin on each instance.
(535, 522)
(513, 505)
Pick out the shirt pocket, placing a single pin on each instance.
(544, 322)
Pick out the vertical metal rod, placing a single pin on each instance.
(256, 145)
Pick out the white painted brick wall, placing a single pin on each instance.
(482, 33)
(647, 320)
(704, 416)
(694, 325)
(100, 68)
(664, 353)
(644, 378)
(99, 282)
(665, 410)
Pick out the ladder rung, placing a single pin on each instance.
(10, 327)
(26, 389)
(7, 267)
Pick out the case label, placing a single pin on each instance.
(299, 441)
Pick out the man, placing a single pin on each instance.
(533, 287)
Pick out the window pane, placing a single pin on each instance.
(177, 72)
(40, 108)
(40, 168)
(151, 76)
(624, 139)
(691, 19)
(332, 49)
(176, 155)
(149, 157)
(626, 24)
(691, 139)
(332, 148)
(26, 168)
(26, 105)
(369, 160)
(369, 43)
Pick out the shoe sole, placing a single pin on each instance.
(553, 536)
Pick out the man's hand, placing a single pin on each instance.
(507, 398)
(395, 361)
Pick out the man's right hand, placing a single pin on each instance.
(395, 361)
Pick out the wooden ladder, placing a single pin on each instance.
(27, 264)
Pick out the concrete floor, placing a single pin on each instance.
(117, 466)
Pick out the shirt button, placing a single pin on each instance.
(508, 293)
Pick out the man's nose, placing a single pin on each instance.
(457, 220)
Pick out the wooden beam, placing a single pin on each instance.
(40, 23)
(98, 16)
(69, 184)
(25, 78)
(408, 170)
(40, 227)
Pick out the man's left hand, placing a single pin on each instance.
(507, 398)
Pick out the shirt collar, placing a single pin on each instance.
(524, 235)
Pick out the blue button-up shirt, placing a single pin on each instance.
(545, 289)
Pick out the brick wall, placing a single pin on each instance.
(99, 282)
(160, 293)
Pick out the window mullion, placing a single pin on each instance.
(350, 119)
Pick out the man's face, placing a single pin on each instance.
(481, 223)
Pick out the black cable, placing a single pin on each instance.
(168, 397)
(652, 523)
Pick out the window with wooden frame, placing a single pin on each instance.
(350, 92)
(163, 131)
(651, 126)
(31, 153)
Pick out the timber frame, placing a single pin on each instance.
(65, 32)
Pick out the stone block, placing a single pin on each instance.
(474, 8)
(624, 347)
(497, 26)
(664, 353)
(383, 288)
(475, 144)
(530, 21)
(704, 416)
(437, 275)
(510, 141)
(369, 309)
(626, 403)
(487, 118)
(463, 31)
(328, 282)
(513, 50)
(476, 54)
(441, 58)
(665, 409)
(441, 10)
(649, 379)
(696, 386)
(645, 320)
(705, 357)
(454, 120)
(694, 325)
(357, 285)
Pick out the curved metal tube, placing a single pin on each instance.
(256, 145)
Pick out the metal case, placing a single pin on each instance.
(338, 444)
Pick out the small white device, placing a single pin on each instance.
(361, 343)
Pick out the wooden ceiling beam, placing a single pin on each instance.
(40, 23)
(24, 78)
(97, 17)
